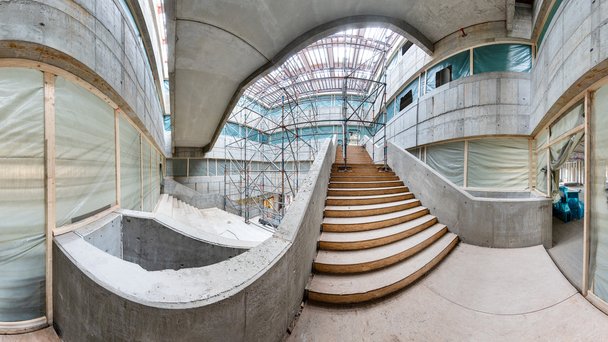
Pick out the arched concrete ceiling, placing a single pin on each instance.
(219, 46)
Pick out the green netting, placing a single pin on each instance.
(86, 159)
(22, 222)
(448, 160)
(598, 187)
(498, 163)
(130, 164)
(461, 66)
(541, 36)
(167, 122)
(502, 57)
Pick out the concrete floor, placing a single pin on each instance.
(44, 335)
(567, 250)
(476, 294)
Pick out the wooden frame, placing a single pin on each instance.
(587, 196)
(49, 186)
(50, 74)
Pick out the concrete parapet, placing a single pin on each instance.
(495, 220)
(252, 297)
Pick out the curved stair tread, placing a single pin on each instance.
(371, 188)
(370, 206)
(374, 218)
(365, 197)
(405, 246)
(375, 234)
(361, 287)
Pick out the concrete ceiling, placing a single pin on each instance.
(217, 47)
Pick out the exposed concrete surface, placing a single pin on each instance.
(192, 197)
(93, 40)
(489, 222)
(220, 47)
(485, 104)
(567, 250)
(156, 247)
(258, 291)
(476, 294)
(44, 335)
(573, 55)
(211, 220)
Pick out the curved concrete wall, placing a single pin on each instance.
(485, 104)
(251, 297)
(92, 40)
(489, 222)
(572, 56)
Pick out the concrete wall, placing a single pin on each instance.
(485, 104)
(92, 39)
(489, 222)
(572, 56)
(251, 297)
(156, 247)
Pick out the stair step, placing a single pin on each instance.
(366, 191)
(345, 241)
(371, 199)
(355, 224)
(365, 184)
(369, 209)
(378, 257)
(361, 287)
(362, 178)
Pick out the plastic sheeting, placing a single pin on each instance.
(461, 66)
(541, 171)
(85, 152)
(156, 176)
(22, 222)
(498, 163)
(130, 163)
(198, 167)
(599, 194)
(448, 160)
(147, 174)
(575, 117)
(502, 57)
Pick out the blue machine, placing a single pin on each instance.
(569, 207)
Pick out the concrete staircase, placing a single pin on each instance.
(376, 237)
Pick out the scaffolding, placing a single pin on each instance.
(279, 123)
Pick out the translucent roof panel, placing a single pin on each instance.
(352, 58)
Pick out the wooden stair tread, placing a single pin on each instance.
(368, 235)
(372, 188)
(364, 197)
(369, 206)
(374, 218)
(405, 271)
(378, 253)
(366, 182)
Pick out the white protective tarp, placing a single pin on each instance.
(22, 222)
(155, 177)
(147, 175)
(448, 160)
(541, 171)
(599, 194)
(498, 163)
(130, 164)
(85, 165)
